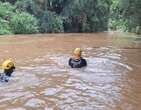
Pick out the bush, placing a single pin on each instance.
(10, 1)
(125, 15)
(86, 15)
(6, 10)
(24, 23)
(27, 6)
(4, 27)
(50, 22)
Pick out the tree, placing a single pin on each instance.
(6, 10)
(10, 1)
(131, 12)
(86, 15)
(24, 23)
(27, 6)
(126, 15)
(50, 22)
(77, 15)
(4, 27)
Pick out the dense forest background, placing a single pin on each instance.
(42, 16)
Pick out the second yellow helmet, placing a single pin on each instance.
(7, 64)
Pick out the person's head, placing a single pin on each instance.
(77, 52)
(8, 67)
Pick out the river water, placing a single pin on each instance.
(44, 81)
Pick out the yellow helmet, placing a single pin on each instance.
(7, 64)
(77, 51)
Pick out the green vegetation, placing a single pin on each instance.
(22, 23)
(50, 22)
(4, 27)
(32, 16)
(6, 11)
(126, 15)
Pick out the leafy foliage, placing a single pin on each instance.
(126, 15)
(86, 15)
(24, 23)
(4, 27)
(71, 15)
(26, 6)
(50, 22)
(6, 10)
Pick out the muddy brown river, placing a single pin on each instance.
(44, 81)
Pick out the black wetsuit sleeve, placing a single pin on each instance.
(70, 63)
(84, 62)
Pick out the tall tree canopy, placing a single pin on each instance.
(75, 15)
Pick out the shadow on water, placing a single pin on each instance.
(47, 83)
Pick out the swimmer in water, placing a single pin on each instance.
(77, 61)
(8, 68)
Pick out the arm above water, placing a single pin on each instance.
(70, 63)
(84, 62)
